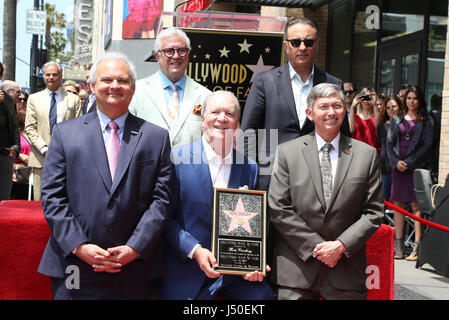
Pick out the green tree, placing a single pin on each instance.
(55, 41)
(9, 39)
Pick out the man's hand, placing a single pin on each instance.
(12, 152)
(2, 96)
(329, 252)
(206, 262)
(256, 275)
(98, 258)
(122, 255)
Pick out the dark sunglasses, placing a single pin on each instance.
(22, 99)
(348, 91)
(297, 42)
(170, 52)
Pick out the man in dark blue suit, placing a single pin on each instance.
(107, 190)
(207, 163)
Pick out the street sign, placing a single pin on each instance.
(36, 22)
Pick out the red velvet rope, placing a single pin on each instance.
(411, 215)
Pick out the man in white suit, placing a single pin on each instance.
(44, 109)
(169, 98)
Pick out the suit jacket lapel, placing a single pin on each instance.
(131, 136)
(310, 152)
(188, 102)
(94, 141)
(285, 82)
(344, 161)
(154, 85)
(202, 172)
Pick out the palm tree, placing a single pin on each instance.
(54, 20)
(9, 39)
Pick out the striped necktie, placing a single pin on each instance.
(53, 111)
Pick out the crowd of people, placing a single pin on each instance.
(136, 223)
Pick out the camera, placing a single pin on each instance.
(366, 97)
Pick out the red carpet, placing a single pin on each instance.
(24, 234)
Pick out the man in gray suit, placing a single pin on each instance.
(169, 98)
(326, 201)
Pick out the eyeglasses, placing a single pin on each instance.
(297, 42)
(22, 99)
(74, 92)
(348, 91)
(170, 52)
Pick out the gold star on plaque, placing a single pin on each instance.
(240, 217)
(244, 46)
(207, 56)
(224, 52)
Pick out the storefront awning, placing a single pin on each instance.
(311, 4)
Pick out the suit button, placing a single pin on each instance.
(111, 204)
(110, 228)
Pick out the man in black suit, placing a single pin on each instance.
(277, 98)
(90, 104)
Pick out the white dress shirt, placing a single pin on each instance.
(300, 92)
(333, 153)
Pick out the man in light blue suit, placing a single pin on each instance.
(207, 163)
(169, 98)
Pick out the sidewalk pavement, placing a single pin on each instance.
(418, 284)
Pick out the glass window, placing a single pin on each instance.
(435, 56)
(340, 35)
(364, 48)
(401, 17)
(387, 69)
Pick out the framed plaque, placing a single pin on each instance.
(239, 230)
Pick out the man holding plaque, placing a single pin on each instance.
(326, 201)
(210, 162)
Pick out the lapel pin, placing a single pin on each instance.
(197, 110)
(346, 151)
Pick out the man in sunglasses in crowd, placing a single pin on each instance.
(169, 98)
(350, 92)
(277, 98)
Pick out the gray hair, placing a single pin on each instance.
(8, 85)
(52, 63)
(168, 33)
(109, 56)
(302, 20)
(324, 90)
(223, 93)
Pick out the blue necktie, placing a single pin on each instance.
(52, 111)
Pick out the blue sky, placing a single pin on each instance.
(23, 42)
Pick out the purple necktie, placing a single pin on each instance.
(113, 147)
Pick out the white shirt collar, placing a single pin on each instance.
(212, 156)
(58, 92)
(293, 74)
(320, 142)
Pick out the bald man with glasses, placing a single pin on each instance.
(169, 98)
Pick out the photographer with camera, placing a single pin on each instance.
(362, 123)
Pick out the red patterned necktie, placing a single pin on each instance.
(113, 147)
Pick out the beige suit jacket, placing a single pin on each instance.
(299, 214)
(37, 123)
(149, 104)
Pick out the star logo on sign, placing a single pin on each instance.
(258, 68)
(240, 217)
(207, 56)
(224, 52)
(244, 46)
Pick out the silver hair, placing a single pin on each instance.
(113, 55)
(324, 90)
(225, 93)
(52, 63)
(168, 33)
(8, 85)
